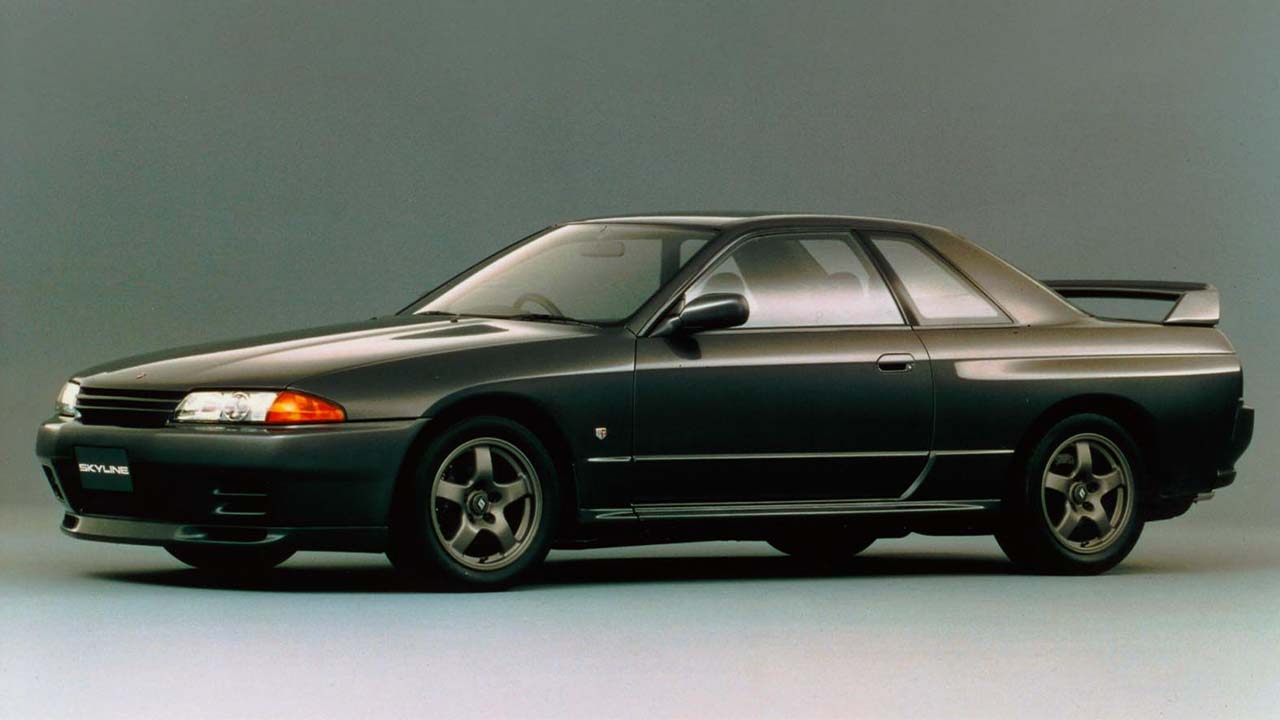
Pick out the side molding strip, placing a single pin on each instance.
(797, 456)
(784, 456)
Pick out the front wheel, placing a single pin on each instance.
(230, 558)
(1075, 510)
(482, 508)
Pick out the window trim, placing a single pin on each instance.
(899, 288)
(711, 263)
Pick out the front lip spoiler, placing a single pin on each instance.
(149, 532)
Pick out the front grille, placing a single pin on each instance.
(127, 408)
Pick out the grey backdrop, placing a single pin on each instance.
(173, 172)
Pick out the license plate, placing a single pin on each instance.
(104, 469)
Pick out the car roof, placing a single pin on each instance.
(1023, 299)
(735, 219)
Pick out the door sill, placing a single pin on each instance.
(791, 508)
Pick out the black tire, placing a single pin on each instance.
(1034, 516)
(231, 558)
(822, 545)
(423, 521)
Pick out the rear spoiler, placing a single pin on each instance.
(1193, 303)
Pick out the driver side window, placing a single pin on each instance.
(803, 280)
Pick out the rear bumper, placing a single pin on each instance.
(319, 487)
(1204, 483)
(1241, 433)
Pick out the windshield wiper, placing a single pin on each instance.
(548, 317)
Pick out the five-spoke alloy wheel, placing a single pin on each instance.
(481, 506)
(1088, 494)
(1074, 507)
(487, 503)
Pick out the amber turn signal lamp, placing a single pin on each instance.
(294, 408)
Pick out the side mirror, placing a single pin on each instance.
(712, 311)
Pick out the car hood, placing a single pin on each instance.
(279, 360)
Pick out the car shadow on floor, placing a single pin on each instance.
(572, 571)
(586, 571)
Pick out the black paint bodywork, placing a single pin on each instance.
(725, 433)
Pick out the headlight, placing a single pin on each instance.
(254, 406)
(66, 402)
(232, 406)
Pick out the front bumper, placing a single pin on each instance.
(316, 487)
(147, 532)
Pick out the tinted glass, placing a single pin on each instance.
(939, 294)
(803, 281)
(597, 273)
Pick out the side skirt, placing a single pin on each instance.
(785, 509)
(689, 511)
(692, 522)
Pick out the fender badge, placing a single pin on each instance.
(139, 376)
(602, 433)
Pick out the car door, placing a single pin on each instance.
(824, 394)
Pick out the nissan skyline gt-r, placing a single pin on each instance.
(816, 382)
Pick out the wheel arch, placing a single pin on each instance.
(1125, 412)
(519, 408)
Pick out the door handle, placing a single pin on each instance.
(896, 362)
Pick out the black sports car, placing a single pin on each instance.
(817, 382)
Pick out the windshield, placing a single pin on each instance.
(586, 272)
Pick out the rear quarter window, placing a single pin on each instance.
(936, 292)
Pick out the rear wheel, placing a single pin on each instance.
(220, 558)
(826, 545)
(1075, 510)
(481, 511)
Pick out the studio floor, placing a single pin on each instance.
(921, 627)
